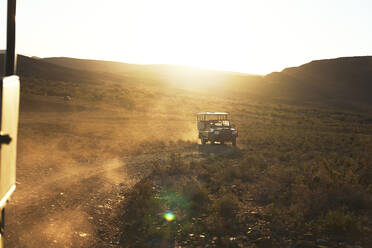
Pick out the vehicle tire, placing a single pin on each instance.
(234, 142)
(203, 141)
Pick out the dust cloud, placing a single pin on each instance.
(71, 162)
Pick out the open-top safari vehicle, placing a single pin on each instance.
(216, 127)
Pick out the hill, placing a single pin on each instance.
(40, 78)
(167, 75)
(346, 80)
(342, 82)
(32, 67)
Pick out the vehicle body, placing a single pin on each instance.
(215, 127)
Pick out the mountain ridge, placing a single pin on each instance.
(339, 80)
(347, 77)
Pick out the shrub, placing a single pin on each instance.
(198, 197)
(227, 206)
(340, 222)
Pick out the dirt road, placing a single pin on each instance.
(71, 207)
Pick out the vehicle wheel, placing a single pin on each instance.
(203, 141)
(234, 142)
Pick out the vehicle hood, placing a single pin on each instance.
(224, 128)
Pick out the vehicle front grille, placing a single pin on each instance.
(225, 134)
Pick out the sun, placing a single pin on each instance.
(204, 34)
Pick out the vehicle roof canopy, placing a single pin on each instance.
(208, 116)
(213, 113)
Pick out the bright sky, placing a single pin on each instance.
(253, 36)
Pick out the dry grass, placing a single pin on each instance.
(298, 168)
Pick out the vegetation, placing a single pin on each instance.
(298, 172)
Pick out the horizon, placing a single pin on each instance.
(254, 37)
(190, 66)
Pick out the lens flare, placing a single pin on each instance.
(169, 216)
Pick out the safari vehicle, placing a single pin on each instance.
(216, 127)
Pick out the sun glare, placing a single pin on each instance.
(202, 34)
(169, 216)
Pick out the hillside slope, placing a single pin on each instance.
(40, 79)
(181, 77)
(343, 79)
(341, 82)
(33, 67)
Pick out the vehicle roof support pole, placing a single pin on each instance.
(10, 58)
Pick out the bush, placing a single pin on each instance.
(227, 206)
(340, 222)
(197, 194)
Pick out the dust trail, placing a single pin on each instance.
(69, 228)
(116, 172)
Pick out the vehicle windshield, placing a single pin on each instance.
(221, 123)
